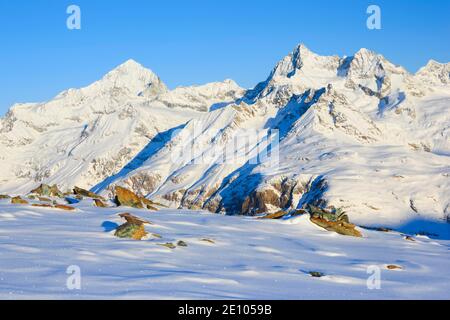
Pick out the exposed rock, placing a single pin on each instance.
(259, 200)
(182, 244)
(42, 205)
(43, 199)
(86, 193)
(298, 212)
(133, 228)
(131, 231)
(133, 219)
(341, 227)
(333, 214)
(99, 203)
(169, 245)
(48, 191)
(208, 240)
(127, 198)
(383, 229)
(149, 204)
(337, 221)
(409, 238)
(276, 215)
(18, 200)
(316, 274)
(64, 207)
(4, 196)
(394, 267)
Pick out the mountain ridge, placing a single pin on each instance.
(355, 132)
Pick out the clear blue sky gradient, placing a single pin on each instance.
(197, 41)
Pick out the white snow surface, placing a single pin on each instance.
(249, 259)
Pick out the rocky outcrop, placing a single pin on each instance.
(85, 193)
(127, 198)
(133, 228)
(333, 220)
(64, 207)
(47, 191)
(18, 200)
(99, 203)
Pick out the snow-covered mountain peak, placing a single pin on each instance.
(134, 77)
(434, 73)
(302, 59)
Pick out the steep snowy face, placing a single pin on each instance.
(359, 133)
(86, 135)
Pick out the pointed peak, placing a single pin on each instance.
(131, 62)
(302, 49)
(132, 76)
(364, 52)
(130, 66)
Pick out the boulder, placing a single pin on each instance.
(131, 231)
(99, 203)
(182, 244)
(394, 267)
(208, 240)
(340, 227)
(133, 228)
(169, 245)
(133, 219)
(18, 200)
(331, 214)
(276, 215)
(42, 205)
(149, 204)
(127, 198)
(88, 194)
(48, 191)
(316, 274)
(64, 207)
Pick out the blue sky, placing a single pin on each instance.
(197, 41)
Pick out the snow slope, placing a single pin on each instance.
(84, 136)
(359, 133)
(249, 259)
